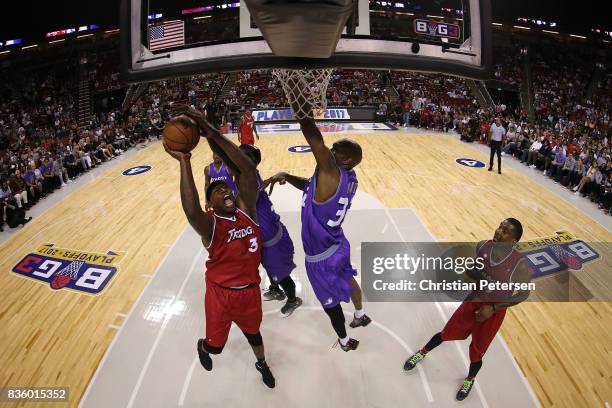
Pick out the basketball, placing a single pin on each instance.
(181, 134)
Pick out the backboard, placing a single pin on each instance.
(162, 39)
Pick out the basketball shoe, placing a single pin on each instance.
(290, 307)
(266, 374)
(413, 360)
(362, 321)
(274, 293)
(351, 344)
(465, 389)
(205, 359)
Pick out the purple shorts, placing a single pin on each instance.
(277, 256)
(331, 277)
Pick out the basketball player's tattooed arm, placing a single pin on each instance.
(328, 174)
(198, 219)
(521, 275)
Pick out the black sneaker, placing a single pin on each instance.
(205, 359)
(352, 344)
(362, 321)
(465, 389)
(274, 293)
(415, 359)
(266, 374)
(290, 307)
(490, 168)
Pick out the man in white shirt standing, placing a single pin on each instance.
(496, 140)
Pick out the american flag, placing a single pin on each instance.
(167, 35)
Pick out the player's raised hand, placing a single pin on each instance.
(280, 178)
(198, 117)
(180, 156)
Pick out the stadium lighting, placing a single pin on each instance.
(29, 46)
(56, 41)
(582, 37)
(4, 52)
(522, 28)
(405, 14)
(430, 16)
(84, 35)
(550, 32)
(116, 30)
(497, 24)
(201, 17)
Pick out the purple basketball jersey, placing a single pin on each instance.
(222, 175)
(322, 222)
(268, 219)
(277, 247)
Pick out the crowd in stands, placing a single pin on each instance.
(507, 64)
(42, 148)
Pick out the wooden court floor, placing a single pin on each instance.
(57, 338)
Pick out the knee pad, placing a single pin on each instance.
(254, 339)
(211, 349)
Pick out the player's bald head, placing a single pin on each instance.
(347, 152)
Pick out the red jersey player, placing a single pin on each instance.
(232, 236)
(246, 128)
(482, 313)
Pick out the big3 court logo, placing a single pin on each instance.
(61, 268)
(556, 253)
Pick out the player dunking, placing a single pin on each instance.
(246, 128)
(232, 236)
(482, 313)
(218, 171)
(327, 198)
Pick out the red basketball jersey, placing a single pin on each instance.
(234, 253)
(500, 271)
(247, 125)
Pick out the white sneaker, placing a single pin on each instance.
(533, 166)
(503, 153)
(576, 192)
(544, 173)
(64, 184)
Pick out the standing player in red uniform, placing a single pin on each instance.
(479, 315)
(232, 236)
(246, 129)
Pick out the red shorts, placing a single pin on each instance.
(463, 323)
(224, 306)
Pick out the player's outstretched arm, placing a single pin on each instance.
(322, 153)
(282, 178)
(328, 174)
(224, 157)
(206, 183)
(242, 167)
(198, 219)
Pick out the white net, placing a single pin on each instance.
(72, 269)
(305, 89)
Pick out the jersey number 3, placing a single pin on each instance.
(343, 201)
(254, 246)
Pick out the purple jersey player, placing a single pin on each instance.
(326, 200)
(277, 247)
(218, 171)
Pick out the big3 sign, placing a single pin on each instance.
(61, 268)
